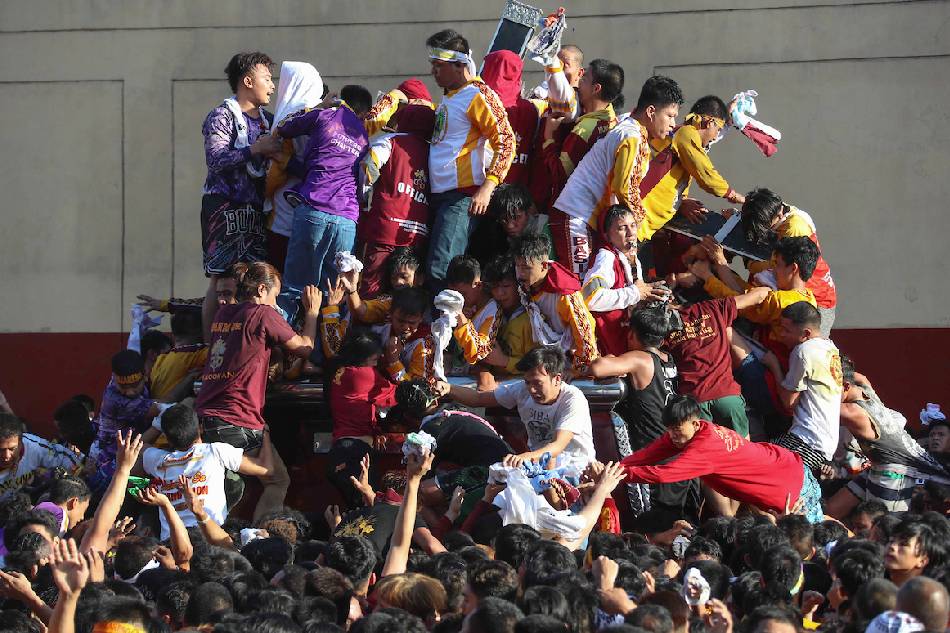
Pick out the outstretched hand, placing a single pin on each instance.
(70, 569)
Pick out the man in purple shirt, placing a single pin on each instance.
(325, 201)
(237, 147)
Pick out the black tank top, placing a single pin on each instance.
(642, 409)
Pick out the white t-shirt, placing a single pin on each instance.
(37, 456)
(814, 369)
(570, 412)
(204, 465)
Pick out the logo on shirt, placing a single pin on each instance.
(441, 124)
(361, 526)
(419, 179)
(835, 368)
(216, 355)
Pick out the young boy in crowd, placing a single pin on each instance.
(766, 476)
(327, 204)
(766, 217)
(555, 414)
(614, 282)
(409, 348)
(812, 386)
(562, 78)
(502, 345)
(237, 147)
(612, 171)
(680, 159)
(469, 118)
(515, 214)
(395, 183)
(69, 498)
(599, 85)
(24, 456)
(203, 465)
(187, 356)
(555, 305)
(127, 405)
(402, 271)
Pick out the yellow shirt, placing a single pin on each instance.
(171, 367)
(516, 334)
(767, 313)
(691, 161)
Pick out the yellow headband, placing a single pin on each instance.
(131, 379)
(446, 55)
(116, 627)
(692, 117)
(801, 581)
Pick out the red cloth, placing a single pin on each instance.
(400, 206)
(502, 73)
(235, 376)
(762, 474)
(355, 392)
(701, 350)
(560, 280)
(414, 89)
(414, 119)
(820, 283)
(660, 165)
(373, 278)
(766, 143)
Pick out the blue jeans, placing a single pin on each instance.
(315, 239)
(450, 232)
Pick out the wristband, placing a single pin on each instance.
(204, 520)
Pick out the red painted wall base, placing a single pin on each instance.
(39, 370)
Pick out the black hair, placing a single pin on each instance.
(673, 601)
(154, 341)
(456, 540)
(532, 247)
(463, 270)
(781, 569)
(360, 345)
(801, 251)
(19, 622)
(785, 615)
(448, 39)
(549, 358)
(856, 567)
(10, 426)
(243, 63)
(607, 544)
(537, 623)
(268, 555)
(402, 256)
(353, 556)
(132, 554)
(273, 600)
(180, 426)
(14, 505)
(618, 102)
(315, 609)
(716, 574)
(125, 609)
(659, 91)
(415, 397)
(613, 214)
(331, 584)
(873, 508)
(389, 620)
(875, 597)
(128, 361)
(610, 77)
(847, 375)
(930, 541)
(494, 579)
(652, 324)
(494, 615)
(700, 546)
(410, 301)
(722, 530)
(186, 323)
(803, 314)
(681, 409)
(86, 401)
(28, 548)
(67, 487)
(508, 200)
(268, 623)
(545, 561)
(209, 601)
(172, 600)
(651, 617)
(357, 97)
(74, 426)
(451, 570)
(630, 578)
(760, 209)
(760, 539)
(512, 542)
(544, 600)
(800, 533)
(711, 105)
(500, 268)
(44, 519)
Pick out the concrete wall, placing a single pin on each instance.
(102, 103)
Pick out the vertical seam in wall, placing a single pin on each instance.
(122, 186)
(172, 174)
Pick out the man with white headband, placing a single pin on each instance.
(469, 116)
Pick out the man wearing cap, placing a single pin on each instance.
(470, 116)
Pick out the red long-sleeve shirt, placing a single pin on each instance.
(354, 396)
(764, 475)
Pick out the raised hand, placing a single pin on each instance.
(193, 502)
(455, 505)
(150, 303)
(122, 528)
(152, 497)
(417, 467)
(70, 569)
(128, 448)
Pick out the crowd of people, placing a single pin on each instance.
(386, 248)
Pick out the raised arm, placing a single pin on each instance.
(611, 476)
(468, 397)
(401, 540)
(97, 536)
(608, 366)
(213, 533)
(181, 546)
(302, 344)
(263, 464)
(70, 574)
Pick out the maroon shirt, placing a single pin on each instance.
(354, 396)
(235, 376)
(701, 350)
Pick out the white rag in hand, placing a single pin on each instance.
(346, 262)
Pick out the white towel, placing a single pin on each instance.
(300, 87)
(240, 128)
(450, 303)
